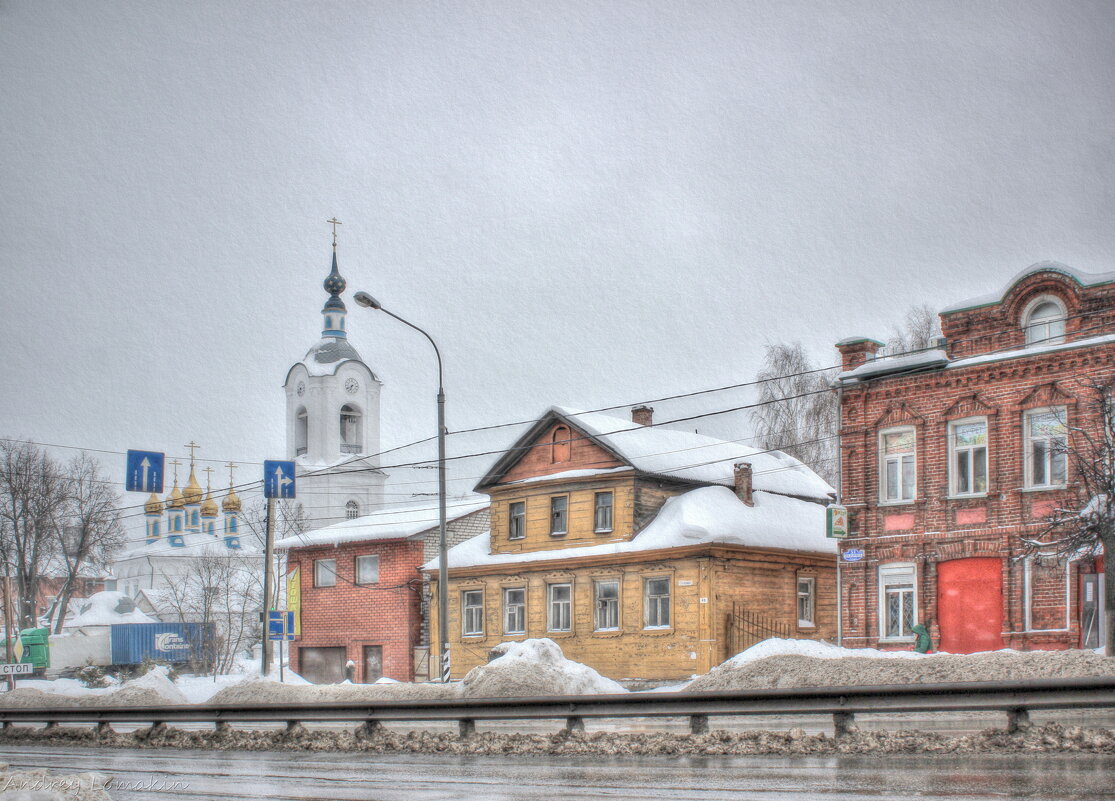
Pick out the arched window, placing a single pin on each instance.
(350, 429)
(352, 510)
(1044, 322)
(301, 431)
(560, 445)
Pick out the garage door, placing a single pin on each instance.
(970, 605)
(322, 665)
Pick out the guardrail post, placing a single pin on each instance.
(698, 724)
(7, 725)
(574, 723)
(158, 729)
(52, 724)
(843, 723)
(1018, 719)
(294, 728)
(466, 727)
(103, 728)
(370, 728)
(221, 727)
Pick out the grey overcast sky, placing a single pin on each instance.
(586, 203)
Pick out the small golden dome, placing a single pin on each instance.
(209, 508)
(193, 489)
(231, 503)
(175, 500)
(153, 506)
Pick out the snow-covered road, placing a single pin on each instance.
(201, 775)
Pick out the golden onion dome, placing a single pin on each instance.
(231, 503)
(153, 506)
(193, 489)
(175, 500)
(209, 508)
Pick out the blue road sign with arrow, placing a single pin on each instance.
(144, 472)
(280, 625)
(278, 479)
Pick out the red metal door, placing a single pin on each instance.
(970, 605)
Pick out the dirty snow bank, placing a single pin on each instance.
(154, 688)
(534, 667)
(38, 785)
(266, 691)
(806, 663)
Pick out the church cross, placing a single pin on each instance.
(231, 466)
(334, 222)
(175, 462)
(193, 446)
(208, 478)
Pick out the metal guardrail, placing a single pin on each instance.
(1015, 698)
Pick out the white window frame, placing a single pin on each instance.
(1043, 333)
(320, 566)
(365, 559)
(522, 611)
(516, 532)
(1028, 596)
(1028, 449)
(352, 510)
(652, 607)
(554, 531)
(807, 591)
(472, 614)
(563, 609)
(597, 508)
(598, 605)
(970, 451)
(897, 574)
(899, 460)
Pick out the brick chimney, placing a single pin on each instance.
(743, 482)
(642, 415)
(857, 350)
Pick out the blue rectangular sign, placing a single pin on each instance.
(280, 625)
(144, 472)
(853, 555)
(278, 479)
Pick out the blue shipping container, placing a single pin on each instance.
(163, 642)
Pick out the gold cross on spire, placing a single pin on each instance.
(193, 446)
(208, 478)
(334, 222)
(231, 466)
(175, 462)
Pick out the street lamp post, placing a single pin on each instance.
(368, 302)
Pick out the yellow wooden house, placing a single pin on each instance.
(644, 552)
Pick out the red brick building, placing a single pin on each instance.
(360, 591)
(951, 454)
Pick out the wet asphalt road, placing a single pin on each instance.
(187, 775)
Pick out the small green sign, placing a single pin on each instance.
(836, 522)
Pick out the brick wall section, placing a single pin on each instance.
(935, 527)
(351, 616)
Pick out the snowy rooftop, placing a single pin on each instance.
(328, 354)
(696, 457)
(386, 524)
(105, 609)
(910, 362)
(704, 516)
(194, 544)
(991, 298)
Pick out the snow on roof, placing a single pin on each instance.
(105, 609)
(704, 516)
(991, 298)
(571, 474)
(1032, 350)
(921, 360)
(696, 457)
(386, 524)
(195, 543)
(328, 354)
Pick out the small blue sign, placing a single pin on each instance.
(278, 479)
(144, 472)
(853, 555)
(280, 625)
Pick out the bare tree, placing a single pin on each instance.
(920, 330)
(797, 411)
(89, 527)
(1084, 525)
(32, 493)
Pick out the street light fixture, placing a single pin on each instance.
(368, 302)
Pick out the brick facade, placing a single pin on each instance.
(985, 375)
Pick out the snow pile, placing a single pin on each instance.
(806, 663)
(105, 609)
(534, 667)
(38, 785)
(154, 688)
(265, 691)
(156, 681)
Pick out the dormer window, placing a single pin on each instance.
(1044, 321)
(560, 445)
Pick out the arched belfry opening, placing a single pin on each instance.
(351, 434)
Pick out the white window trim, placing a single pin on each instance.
(596, 603)
(1028, 452)
(464, 617)
(896, 568)
(565, 516)
(316, 582)
(1027, 597)
(812, 622)
(506, 630)
(550, 606)
(646, 602)
(356, 566)
(953, 477)
(1029, 310)
(882, 468)
(611, 512)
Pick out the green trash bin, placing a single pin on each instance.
(36, 647)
